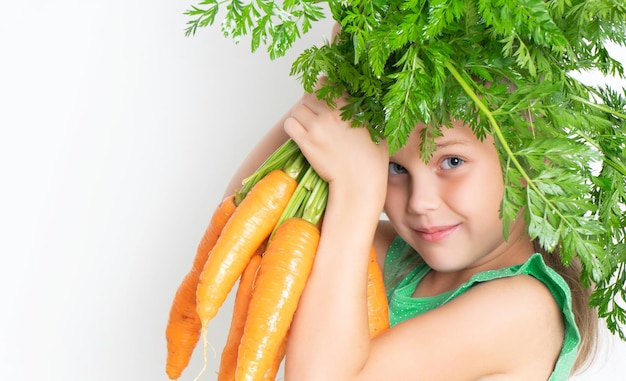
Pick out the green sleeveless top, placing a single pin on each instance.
(403, 306)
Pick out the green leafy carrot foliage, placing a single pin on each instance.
(504, 68)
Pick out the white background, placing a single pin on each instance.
(117, 137)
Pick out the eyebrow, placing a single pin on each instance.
(451, 142)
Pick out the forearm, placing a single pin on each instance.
(329, 338)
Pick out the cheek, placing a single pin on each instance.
(481, 195)
(495, 191)
(491, 201)
(394, 203)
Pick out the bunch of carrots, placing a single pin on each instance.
(264, 237)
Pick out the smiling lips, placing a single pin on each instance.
(436, 233)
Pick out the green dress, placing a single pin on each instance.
(403, 306)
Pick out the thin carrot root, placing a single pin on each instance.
(205, 346)
(205, 358)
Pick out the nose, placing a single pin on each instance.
(424, 196)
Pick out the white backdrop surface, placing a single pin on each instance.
(117, 137)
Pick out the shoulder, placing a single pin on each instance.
(526, 301)
(508, 326)
(521, 317)
(526, 298)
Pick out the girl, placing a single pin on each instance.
(470, 306)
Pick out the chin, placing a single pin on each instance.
(444, 264)
(446, 267)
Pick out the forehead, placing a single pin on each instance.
(459, 135)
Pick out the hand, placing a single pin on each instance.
(339, 153)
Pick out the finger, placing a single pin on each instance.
(294, 129)
(303, 113)
(321, 106)
(316, 106)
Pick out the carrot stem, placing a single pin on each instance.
(316, 201)
(309, 184)
(296, 166)
(279, 159)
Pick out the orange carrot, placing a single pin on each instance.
(284, 270)
(183, 328)
(270, 373)
(250, 225)
(228, 362)
(377, 307)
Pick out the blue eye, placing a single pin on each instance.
(396, 169)
(452, 162)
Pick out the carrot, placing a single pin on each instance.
(251, 223)
(270, 373)
(228, 360)
(377, 307)
(284, 270)
(228, 364)
(283, 273)
(183, 327)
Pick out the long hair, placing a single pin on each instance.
(586, 317)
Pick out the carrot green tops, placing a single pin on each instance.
(403, 306)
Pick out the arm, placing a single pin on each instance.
(486, 331)
(356, 171)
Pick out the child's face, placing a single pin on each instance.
(448, 209)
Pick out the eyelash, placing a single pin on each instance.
(456, 158)
(397, 169)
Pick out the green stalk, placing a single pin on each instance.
(316, 203)
(296, 166)
(497, 131)
(610, 160)
(301, 202)
(299, 169)
(600, 107)
(279, 159)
